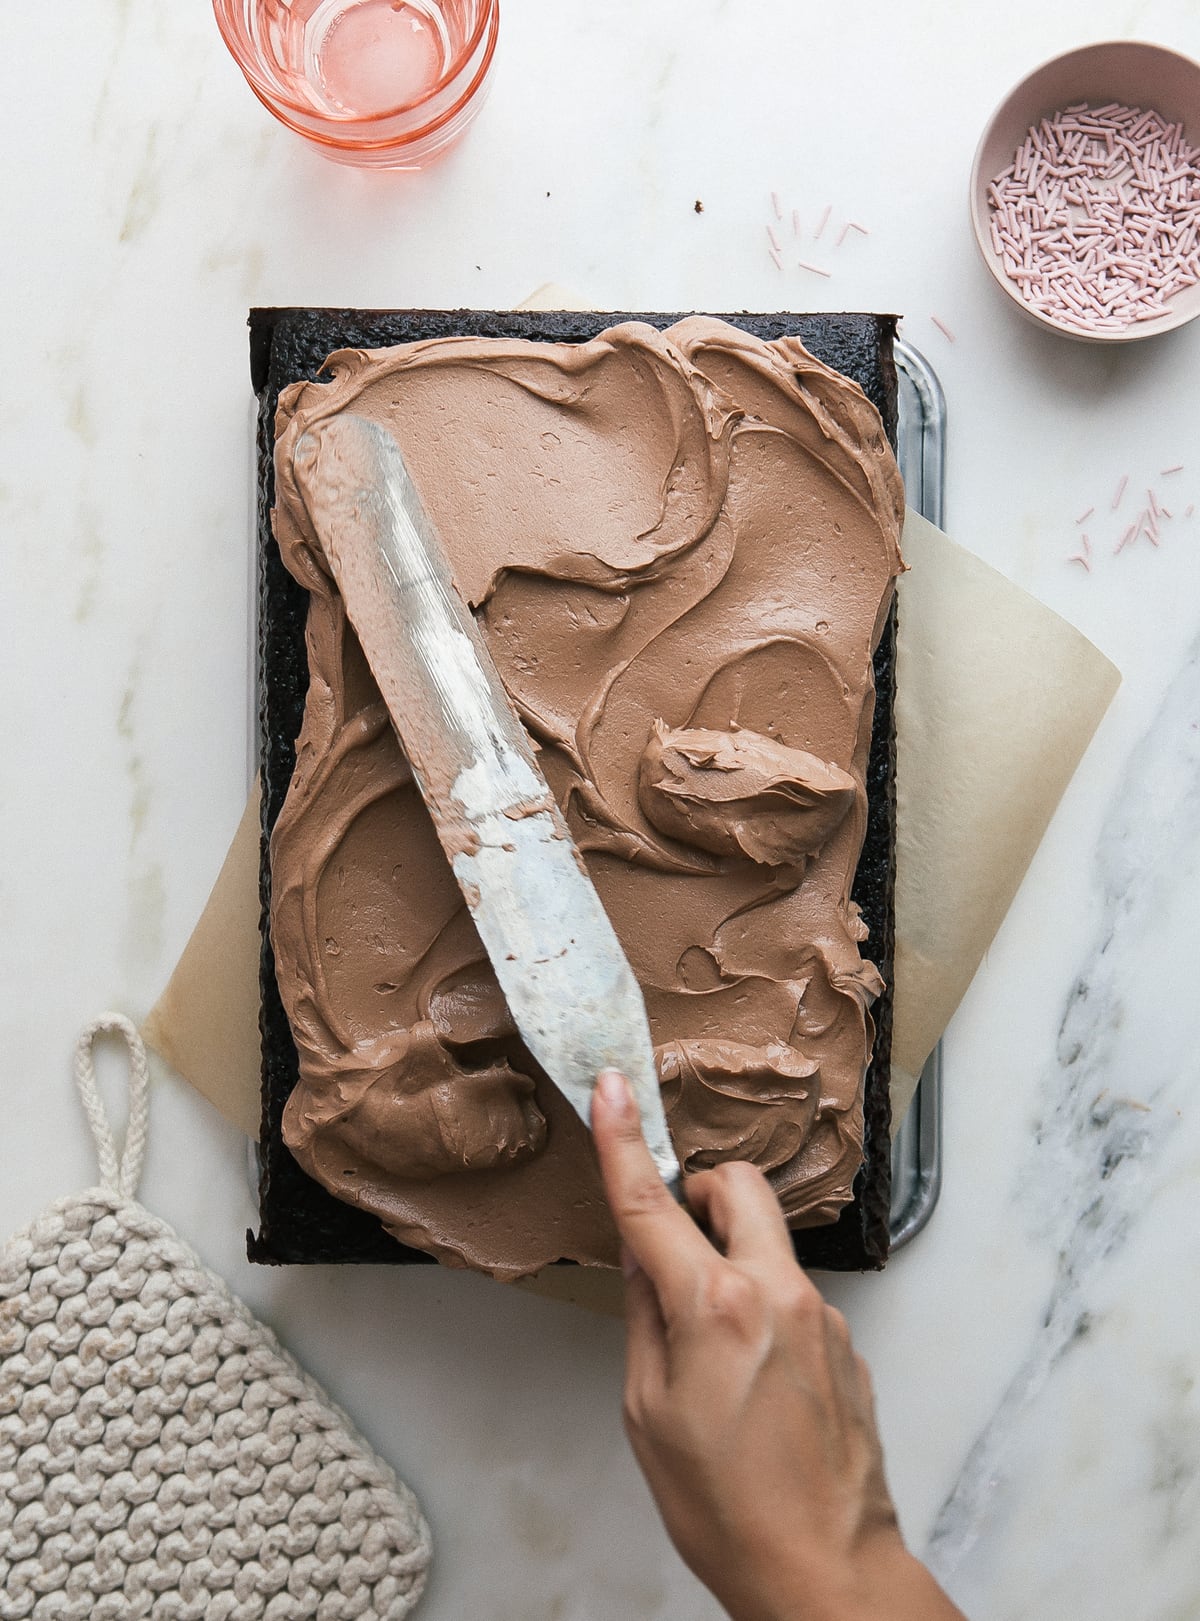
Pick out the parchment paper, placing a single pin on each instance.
(997, 698)
(205, 1024)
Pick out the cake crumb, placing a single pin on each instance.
(698, 206)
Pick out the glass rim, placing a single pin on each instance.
(230, 16)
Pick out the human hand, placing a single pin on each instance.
(748, 1410)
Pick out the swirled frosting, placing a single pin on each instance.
(680, 547)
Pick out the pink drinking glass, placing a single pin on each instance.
(385, 84)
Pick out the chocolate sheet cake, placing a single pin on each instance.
(645, 775)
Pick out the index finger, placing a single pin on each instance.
(666, 1243)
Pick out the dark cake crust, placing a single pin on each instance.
(299, 1220)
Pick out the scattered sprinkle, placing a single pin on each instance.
(777, 256)
(1166, 471)
(1078, 557)
(1150, 523)
(943, 328)
(776, 246)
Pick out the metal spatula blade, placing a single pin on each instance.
(556, 955)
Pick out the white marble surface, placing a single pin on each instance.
(1035, 1350)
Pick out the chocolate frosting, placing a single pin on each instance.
(739, 793)
(680, 547)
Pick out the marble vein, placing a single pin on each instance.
(1105, 1146)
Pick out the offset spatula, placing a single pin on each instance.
(560, 965)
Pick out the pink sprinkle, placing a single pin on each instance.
(1165, 512)
(1189, 509)
(777, 256)
(855, 226)
(841, 236)
(1096, 217)
(803, 264)
(775, 205)
(795, 222)
(1078, 557)
(1087, 546)
(1178, 468)
(942, 327)
(1153, 502)
(1125, 538)
(774, 239)
(1120, 491)
(1084, 516)
(823, 224)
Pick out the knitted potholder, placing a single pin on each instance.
(161, 1455)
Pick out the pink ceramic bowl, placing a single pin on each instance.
(1126, 71)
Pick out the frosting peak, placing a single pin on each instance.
(739, 793)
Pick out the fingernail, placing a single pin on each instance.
(614, 1089)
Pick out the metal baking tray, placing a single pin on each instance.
(921, 452)
(921, 437)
